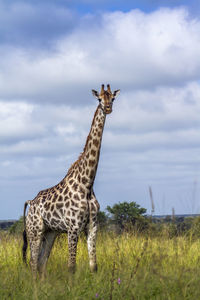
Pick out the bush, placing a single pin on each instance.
(17, 227)
(128, 216)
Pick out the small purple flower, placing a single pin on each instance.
(97, 295)
(118, 280)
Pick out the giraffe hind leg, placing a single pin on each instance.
(35, 245)
(35, 231)
(46, 246)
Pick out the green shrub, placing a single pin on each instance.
(17, 227)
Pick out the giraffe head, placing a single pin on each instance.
(106, 98)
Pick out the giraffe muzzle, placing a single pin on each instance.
(108, 109)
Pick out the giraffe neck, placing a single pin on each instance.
(84, 169)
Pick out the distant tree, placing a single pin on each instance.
(127, 213)
(195, 227)
(168, 219)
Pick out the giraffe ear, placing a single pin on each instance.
(95, 94)
(116, 93)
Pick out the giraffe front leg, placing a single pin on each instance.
(92, 231)
(72, 245)
(91, 243)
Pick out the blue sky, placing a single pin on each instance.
(54, 52)
(90, 6)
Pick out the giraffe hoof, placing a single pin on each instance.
(93, 268)
(72, 269)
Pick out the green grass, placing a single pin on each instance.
(129, 267)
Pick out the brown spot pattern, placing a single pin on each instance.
(96, 142)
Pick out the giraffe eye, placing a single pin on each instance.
(99, 100)
(113, 99)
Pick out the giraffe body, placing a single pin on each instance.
(70, 206)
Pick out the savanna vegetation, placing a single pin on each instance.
(137, 259)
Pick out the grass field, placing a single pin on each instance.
(129, 267)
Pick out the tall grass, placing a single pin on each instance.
(129, 267)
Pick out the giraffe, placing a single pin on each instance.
(71, 205)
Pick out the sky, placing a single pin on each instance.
(53, 53)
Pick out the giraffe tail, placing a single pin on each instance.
(25, 245)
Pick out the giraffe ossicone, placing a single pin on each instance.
(71, 205)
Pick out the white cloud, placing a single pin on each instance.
(35, 130)
(16, 122)
(130, 50)
(164, 117)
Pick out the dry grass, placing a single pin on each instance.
(130, 267)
